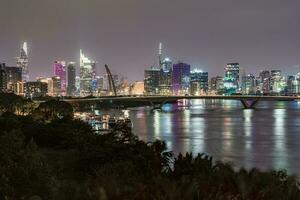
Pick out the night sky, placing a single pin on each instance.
(259, 34)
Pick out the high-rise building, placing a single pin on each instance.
(87, 68)
(248, 84)
(35, 89)
(137, 88)
(165, 81)
(292, 85)
(56, 86)
(22, 62)
(151, 81)
(3, 78)
(181, 78)
(277, 82)
(60, 71)
(200, 80)
(264, 81)
(14, 75)
(217, 85)
(71, 88)
(232, 78)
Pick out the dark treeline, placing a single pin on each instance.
(46, 154)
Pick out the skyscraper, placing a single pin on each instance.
(200, 80)
(181, 78)
(232, 78)
(86, 74)
(22, 62)
(165, 81)
(248, 84)
(60, 71)
(217, 84)
(151, 81)
(71, 88)
(3, 77)
(14, 76)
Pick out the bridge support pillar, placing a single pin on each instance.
(249, 104)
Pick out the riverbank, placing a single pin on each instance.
(65, 159)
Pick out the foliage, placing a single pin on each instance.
(10, 102)
(53, 110)
(65, 159)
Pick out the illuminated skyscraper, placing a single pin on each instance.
(87, 73)
(151, 81)
(71, 88)
(22, 62)
(3, 77)
(217, 84)
(14, 77)
(232, 78)
(199, 79)
(60, 71)
(181, 78)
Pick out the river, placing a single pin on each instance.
(267, 137)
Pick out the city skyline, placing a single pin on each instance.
(258, 35)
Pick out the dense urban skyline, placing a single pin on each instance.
(259, 35)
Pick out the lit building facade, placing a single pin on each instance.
(71, 77)
(151, 81)
(14, 76)
(232, 78)
(87, 68)
(60, 71)
(217, 85)
(22, 62)
(199, 79)
(248, 84)
(277, 82)
(3, 78)
(181, 78)
(35, 89)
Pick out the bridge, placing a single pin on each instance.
(157, 102)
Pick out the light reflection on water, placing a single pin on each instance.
(266, 137)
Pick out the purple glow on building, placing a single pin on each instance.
(60, 71)
(181, 78)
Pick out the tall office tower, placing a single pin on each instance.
(217, 85)
(22, 62)
(292, 85)
(277, 81)
(167, 64)
(56, 86)
(86, 75)
(199, 80)
(181, 78)
(264, 81)
(60, 71)
(49, 83)
(232, 77)
(3, 78)
(137, 88)
(14, 76)
(165, 82)
(151, 81)
(71, 77)
(248, 84)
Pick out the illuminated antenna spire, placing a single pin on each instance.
(159, 54)
(25, 48)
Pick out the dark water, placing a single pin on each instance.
(267, 137)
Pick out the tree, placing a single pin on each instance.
(53, 110)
